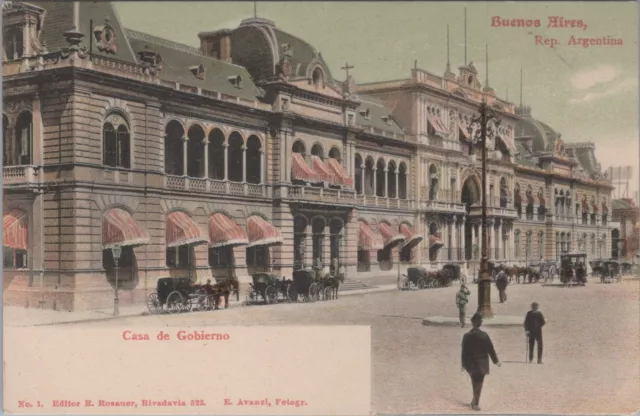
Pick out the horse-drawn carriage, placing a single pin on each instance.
(454, 273)
(268, 288)
(421, 278)
(610, 270)
(310, 285)
(181, 294)
(573, 268)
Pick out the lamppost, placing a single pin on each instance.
(479, 129)
(116, 251)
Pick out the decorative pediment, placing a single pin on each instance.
(106, 37)
(559, 149)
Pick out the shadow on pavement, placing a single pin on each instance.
(400, 316)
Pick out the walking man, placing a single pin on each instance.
(533, 324)
(461, 302)
(476, 350)
(501, 283)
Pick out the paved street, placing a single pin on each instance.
(591, 363)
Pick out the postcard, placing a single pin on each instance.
(320, 208)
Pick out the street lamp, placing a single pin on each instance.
(479, 129)
(116, 251)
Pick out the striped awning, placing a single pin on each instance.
(368, 239)
(340, 173)
(391, 237)
(411, 237)
(183, 230)
(262, 233)
(15, 229)
(120, 229)
(435, 242)
(223, 231)
(322, 170)
(301, 170)
(438, 125)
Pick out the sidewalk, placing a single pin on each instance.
(14, 316)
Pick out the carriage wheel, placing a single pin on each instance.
(313, 292)
(153, 303)
(288, 294)
(421, 283)
(270, 295)
(202, 300)
(249, 297)
(175, 302)
(327, 293)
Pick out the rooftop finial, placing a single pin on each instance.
(465, 36)
(255, 9)
(448, 70)
(347, 67)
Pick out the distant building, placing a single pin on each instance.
(247, 154)
(625, 233)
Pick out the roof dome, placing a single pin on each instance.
(544, 137)
(259, 45)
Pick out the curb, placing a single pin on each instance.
(500, 321)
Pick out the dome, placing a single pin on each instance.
(544, 137)
(259, 45)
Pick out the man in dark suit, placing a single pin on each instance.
(533, 324)
(476, 350)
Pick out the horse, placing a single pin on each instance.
(333, 283)
(223, 288)
(441, 277)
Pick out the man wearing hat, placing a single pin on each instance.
(533, 323)
(476, 350)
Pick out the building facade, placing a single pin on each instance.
(625, 234)
(247, 155)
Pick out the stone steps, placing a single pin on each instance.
(353, 284)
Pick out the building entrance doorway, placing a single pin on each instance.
(470, 195)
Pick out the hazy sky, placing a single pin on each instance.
(587, 94)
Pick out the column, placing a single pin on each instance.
(473, 238)
(461, 238)
(386, 182)
(454, 238)
(397, 183)
(225, 146)
(308, 251)
(375, 181)
(244, 163)
(362, 175)
(263, 167)
(499, 241)
(185, 141)
(206, 158)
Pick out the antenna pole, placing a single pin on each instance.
(465, 36)
(520, 86)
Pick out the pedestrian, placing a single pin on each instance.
(476, 350)
(501, 283)
(461, 302)
(533, 324)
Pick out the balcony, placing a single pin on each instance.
(322, 195)
(19, 175)
(383, 202)
(495, 208)
(205, 185)
(443, 201)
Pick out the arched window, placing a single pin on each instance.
(402, 182)
(335, 230)
(558, 246)
(299, 242)
(529, 251)
(433, 183)
(117, 145)
(24, 139)
(317, 228)
(593, 244)
(235, 167)
(174, 149)
(317, 77)
(503, 193)
(298, 147)
(334, 153)
(391, 179)
(530, 200)
(380, 178)
(195, 152)
(368, 177)
(516, 244)
(254, 160)
(568, 242)
(216, 154)
(358, 174)
(517, 200)
(316, 150)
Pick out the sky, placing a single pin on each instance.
(586, 94)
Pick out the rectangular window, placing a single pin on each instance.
(14, 259)
(179, 256)
(221, 256)
(258, 256)
(363, 261)
(110, 148)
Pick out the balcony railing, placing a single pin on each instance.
(336, 196)
(381, 201)
(205, 185)
(19, 174)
